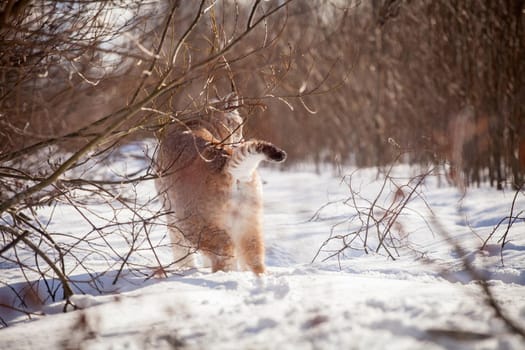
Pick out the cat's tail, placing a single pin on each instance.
(247, 156)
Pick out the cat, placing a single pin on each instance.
(207, 176)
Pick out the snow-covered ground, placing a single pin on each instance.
(352, 300)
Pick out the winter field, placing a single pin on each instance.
(315, 294)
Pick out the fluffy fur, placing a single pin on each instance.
(210, 186)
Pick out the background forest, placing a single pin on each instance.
(330, 81)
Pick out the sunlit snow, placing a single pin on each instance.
(352, 300)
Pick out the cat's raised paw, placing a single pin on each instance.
(273, 152)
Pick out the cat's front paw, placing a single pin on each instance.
(273, 153)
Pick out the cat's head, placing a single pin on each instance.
(226, 118)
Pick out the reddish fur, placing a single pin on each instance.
(199, 191)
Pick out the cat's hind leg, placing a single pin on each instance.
(251, 250)
(217, 246)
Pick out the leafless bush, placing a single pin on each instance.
(516, 215)
(65, 65)
(80, 81)
(375, 222)
(375, 225)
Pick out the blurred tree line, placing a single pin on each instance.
(328, 80)
(441, 80)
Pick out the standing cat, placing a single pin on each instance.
(210, 186)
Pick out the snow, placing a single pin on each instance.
(353, 300)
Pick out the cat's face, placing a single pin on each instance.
(232, 122)
(227, 119)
